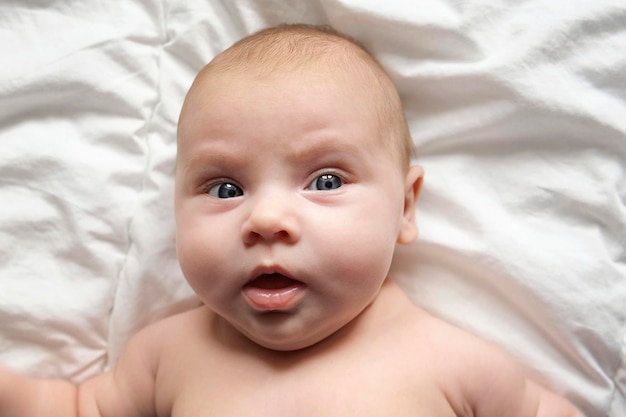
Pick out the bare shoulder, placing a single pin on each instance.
(181, 322)
(174, 335)
(475, 374)
(478, 377)
(132, 386)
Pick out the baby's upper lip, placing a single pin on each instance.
(269, 269)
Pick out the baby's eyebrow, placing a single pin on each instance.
(315, 149)
(201, 162)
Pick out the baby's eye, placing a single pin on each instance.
(225, 190)
(326, 182)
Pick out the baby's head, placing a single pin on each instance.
(292, 185)
(322, 51)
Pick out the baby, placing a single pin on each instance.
(293, 186)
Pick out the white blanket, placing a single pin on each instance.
(517, 109)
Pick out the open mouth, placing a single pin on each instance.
(272, 281)
(273, 292)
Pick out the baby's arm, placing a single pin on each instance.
(126, 391)
(496, 386)
(551, 405)
(24, 396)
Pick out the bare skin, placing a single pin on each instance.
(395, 359)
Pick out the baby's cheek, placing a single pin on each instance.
(186, 258)
(192, 253)
(365, 251)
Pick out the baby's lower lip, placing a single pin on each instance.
(273, 292)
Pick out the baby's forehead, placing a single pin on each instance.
(309, 59)
(299, 81)
(243, 76)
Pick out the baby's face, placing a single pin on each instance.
(288, 204)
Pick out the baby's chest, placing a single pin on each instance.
(366, 393)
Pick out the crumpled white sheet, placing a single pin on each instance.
(518, 111)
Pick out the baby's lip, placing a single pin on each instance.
(272, 289)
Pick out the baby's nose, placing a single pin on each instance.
(272, 218)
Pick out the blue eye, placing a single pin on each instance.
(326, 182)
(225, 190)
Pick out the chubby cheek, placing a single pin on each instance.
(197, 252)
(191, 263)
(358, 245)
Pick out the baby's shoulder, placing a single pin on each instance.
(447, 346)
(174, 333)
(466, 367)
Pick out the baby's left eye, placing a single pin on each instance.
(225, 190)
(326, 182)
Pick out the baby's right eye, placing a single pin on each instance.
(225, 190)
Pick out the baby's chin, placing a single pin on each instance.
(292, 345)
(292, 342)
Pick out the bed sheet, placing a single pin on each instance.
(517, 110)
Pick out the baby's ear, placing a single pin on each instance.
(412, 187)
